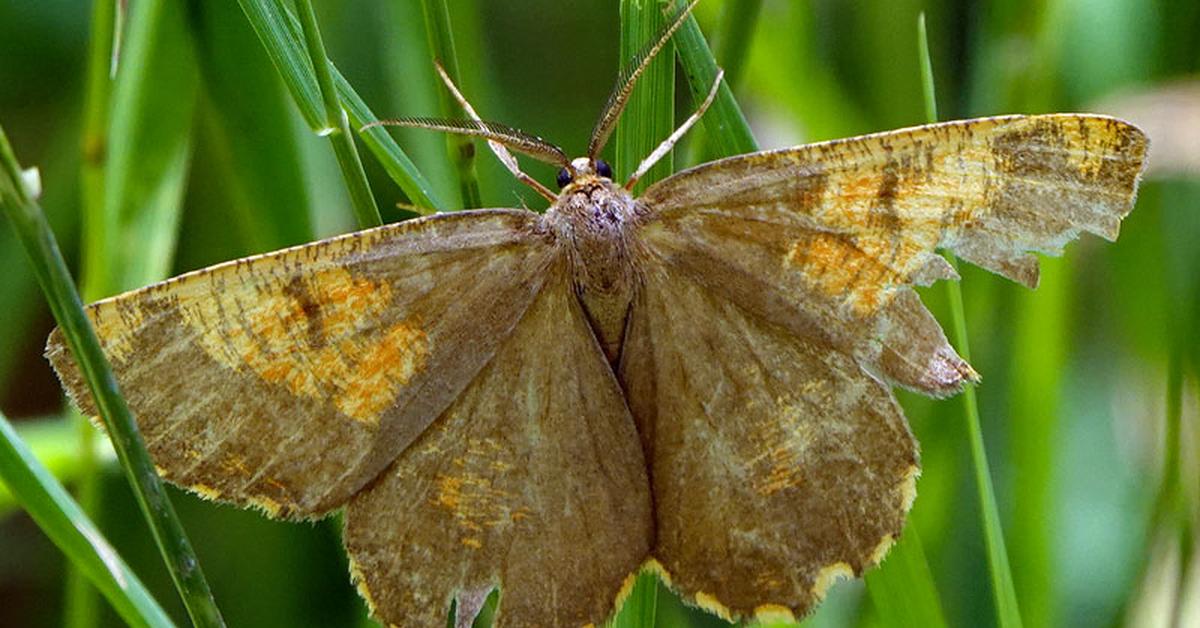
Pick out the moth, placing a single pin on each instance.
(697, 380)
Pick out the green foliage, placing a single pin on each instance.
(201, 149)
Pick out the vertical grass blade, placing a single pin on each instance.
(740, 18)
(35, 235)
(460, 147)
(725, 127)
(281, 36)
(649, 117)
(902, 589)
(52, 508)
(79, 599)
(640, 609)
(1003, 592)
(136, 147)
(129, 238)
(337, 123)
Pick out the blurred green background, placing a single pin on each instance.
(1090, 382)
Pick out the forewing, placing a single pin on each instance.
(532, 481)
(288, 380)
(777, 463)
(827, 238)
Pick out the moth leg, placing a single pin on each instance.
(502, 153)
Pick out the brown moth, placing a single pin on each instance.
(696, 381)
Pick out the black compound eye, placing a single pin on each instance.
(564, 178)
(603, 169)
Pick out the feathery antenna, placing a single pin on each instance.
(626, 79)
(515, 139)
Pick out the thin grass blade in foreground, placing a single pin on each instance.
(337, 123)
(281, 35)
(737, 29)
(136, 156)
(80, 602)
(902, 588)
(49, 504)
(649, 116)
(1007, 613)
(461, 147)
(727, 132)
(30, 224)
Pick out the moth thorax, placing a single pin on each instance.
(593, 217)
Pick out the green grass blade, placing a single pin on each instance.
(461, 148)
(414, 90)
(641, 607)
(281, 36)
(130, 241)
(1007, 612)
(35, 235)
(337, 123)
(902, 589)
(80, 602)
(726, 130)
(54, 442)
(741, 16)
(649, 116)
(52, 508)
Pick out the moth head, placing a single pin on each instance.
(584, 168)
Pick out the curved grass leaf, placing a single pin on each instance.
(39, 243)
(1003, 591)
(281, 35)
(49, 504)
(460, 147)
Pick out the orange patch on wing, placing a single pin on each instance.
(319, 338)
(472, 493)
(850, 271)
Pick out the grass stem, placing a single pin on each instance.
(29, 223)
(79, 599)
(460, 147)
(725, 127)
(337, 123)
(282, 37)
(1003, 591)
(51, 507)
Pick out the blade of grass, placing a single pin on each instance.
(461, 148)
(80, 602)
(281, 36)
(733, 43)
(649, 117)
(414, 89)
(130, 237)
(52, 508)
(641, 607)
(902, 589)
(725, 127)
(54, 443)
(337, 123)
(30, 224)
(1007, 613)
(136, 144)
(741, 16)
